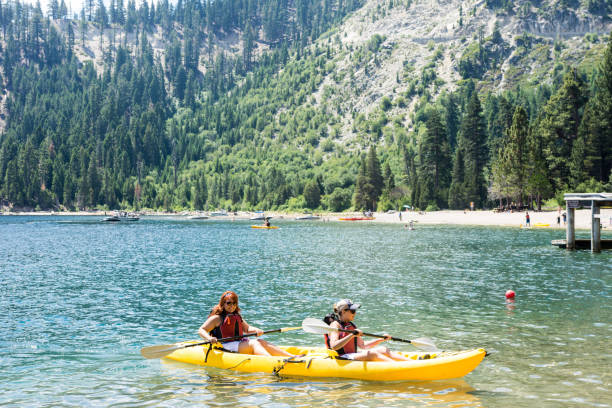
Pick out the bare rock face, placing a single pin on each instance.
(561, 24)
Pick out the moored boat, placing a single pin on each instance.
(121, 216)
(260, 216)
(198, 217)
(307, 217)
(356, 218)
(320, 362)
(220, 213)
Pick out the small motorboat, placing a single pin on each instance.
(260, 217)
(122, 216)
(198, 217)
(220, 213)
(307, 217)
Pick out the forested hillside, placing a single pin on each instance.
(302, 104)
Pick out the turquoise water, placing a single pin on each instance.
(81, 297)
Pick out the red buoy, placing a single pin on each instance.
(510, 294)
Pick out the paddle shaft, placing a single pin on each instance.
(226, 339)
(374, 335)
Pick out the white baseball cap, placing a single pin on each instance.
(346, 304)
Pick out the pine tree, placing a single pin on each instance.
(388, 177)
(360, 199)
(515, 155)
(474, 149)
(312, 194)
(374, 178)
(433, 173)
(538, 183)
(592, 152)
(559, 126)
(456, 193)
(452, 120)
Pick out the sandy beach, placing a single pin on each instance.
(448, 217)
(515, 219)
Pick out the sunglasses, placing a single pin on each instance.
(349, 310)
(230, 303)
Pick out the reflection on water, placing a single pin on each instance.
(79, 298)
(252, 389)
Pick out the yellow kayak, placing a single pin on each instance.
(263, 227)
(320, 362)
(537, 225)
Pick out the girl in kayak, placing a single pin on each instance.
(225, 320)
(348, 344)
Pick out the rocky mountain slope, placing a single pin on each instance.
(425, 43)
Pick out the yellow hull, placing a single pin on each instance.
(263, 227)
(318, 363)
(538, 225)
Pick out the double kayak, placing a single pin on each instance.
(320, 362)
(263, 227)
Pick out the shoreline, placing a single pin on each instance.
(443, 217)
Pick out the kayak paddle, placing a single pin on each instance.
(316, 326)
(165, 349)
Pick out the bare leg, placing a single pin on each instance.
(262, 348)
(273, 350)
(371, 355)
(391, 354)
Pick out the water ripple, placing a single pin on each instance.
(80, 298)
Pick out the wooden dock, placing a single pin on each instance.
(596, 201)
(582, 243)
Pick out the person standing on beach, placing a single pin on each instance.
(527, 219)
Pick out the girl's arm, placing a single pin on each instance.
(247, 329)
(372, 343)
(335, 343)
(209, 324)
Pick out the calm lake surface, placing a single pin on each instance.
(79, 298)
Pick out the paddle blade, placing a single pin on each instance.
(424, 344)
(160, 351)
(316, 326)
(286, 329)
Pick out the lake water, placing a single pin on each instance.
(79, 298)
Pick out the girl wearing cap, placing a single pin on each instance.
(225, 320)
(348, 344)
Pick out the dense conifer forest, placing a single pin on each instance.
(199, 127)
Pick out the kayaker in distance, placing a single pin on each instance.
(348, 344)
(267, 222)
(225, 320)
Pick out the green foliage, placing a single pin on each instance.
(338, 200)
(559, 126)
(312, 194)
(247, 132)
(434, 172)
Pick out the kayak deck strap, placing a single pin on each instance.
(243, 361)
(288, 360)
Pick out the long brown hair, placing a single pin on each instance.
(227, 295)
